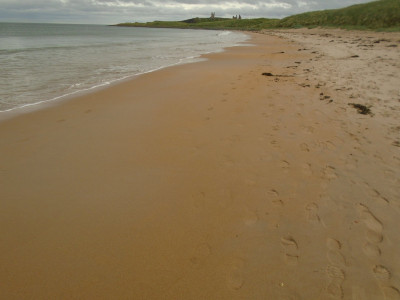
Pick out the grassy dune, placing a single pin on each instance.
(376, 15)
(373, 15)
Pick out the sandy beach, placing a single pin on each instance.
(246, 176)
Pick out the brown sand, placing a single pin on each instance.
(212, 181)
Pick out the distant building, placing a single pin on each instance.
(212, 15)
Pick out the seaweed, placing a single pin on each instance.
(270, 74)
(362, 109)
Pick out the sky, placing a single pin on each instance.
(118, 11)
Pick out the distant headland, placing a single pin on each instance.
(377, 15)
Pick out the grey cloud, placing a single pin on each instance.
(115, 11)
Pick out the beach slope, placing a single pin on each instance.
(246, 176)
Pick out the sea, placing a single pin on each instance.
(46, 62)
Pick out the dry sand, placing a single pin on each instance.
(213, 181)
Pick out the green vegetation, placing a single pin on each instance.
(373, 15)
(378, 15)
(208, 23)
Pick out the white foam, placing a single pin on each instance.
(137, 51)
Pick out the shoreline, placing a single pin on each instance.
(110, 79)
(32, 107)
(212, 180)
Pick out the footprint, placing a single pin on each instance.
(383, 276)
(308, 129)
(275, 144)
(381, 273)
(335, 272)
(284, 164)
(251, 217)
(374, 236)
(333, 244)
(235, 277)
(274, 196)
(304, 147)
(358, 293)
(312, 212)
(391, 293)
(370, 221)
(201, 252)
(306, 169)
(350, 165)
(330, 145)
(378, 197)
(337, 276)
(335, 289)
(329, 172)
(374, 231)
(272, 193)
(227, 161)
(291, 248)
(334, 256)
(371, 250)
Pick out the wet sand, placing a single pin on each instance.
(213, 181)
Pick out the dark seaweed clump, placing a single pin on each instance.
(362, 109)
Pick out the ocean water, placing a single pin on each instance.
(46, 62)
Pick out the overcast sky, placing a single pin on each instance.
(118, 11)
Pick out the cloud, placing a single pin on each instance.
(116, 11)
